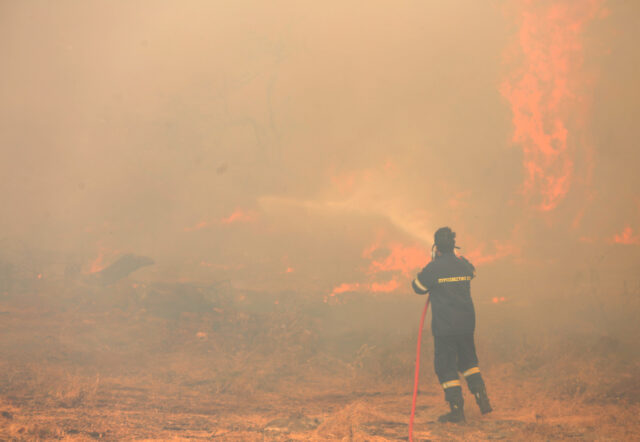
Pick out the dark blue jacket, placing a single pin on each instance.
(447, 279)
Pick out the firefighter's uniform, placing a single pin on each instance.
(447, 279)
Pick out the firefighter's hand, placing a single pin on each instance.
(418, 287)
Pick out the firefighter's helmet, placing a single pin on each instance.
(445, 239)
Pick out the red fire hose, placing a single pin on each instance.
(415, 382)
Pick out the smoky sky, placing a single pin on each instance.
(267, 138)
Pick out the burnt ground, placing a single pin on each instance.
(182, 362)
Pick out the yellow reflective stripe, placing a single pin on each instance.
(420, 286)
(449, 384)
(471, 371)
(455, 279)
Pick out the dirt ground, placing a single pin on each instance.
(77, 367)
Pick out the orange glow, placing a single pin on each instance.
(39, 275)
(404, 259)
(238, 216)
(385, 287)
(458, 201)
(374, 287)
(544, 94)
(220, 266)
(345, 287)
(98, 263)
(104, 258)
(627, 237)
(478, 256)
(289, 270)
(344, 183)
(200, 225)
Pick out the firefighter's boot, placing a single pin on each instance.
(453, 395)
(479, 391)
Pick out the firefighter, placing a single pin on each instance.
(447, 279)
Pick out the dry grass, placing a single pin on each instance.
(236, 372)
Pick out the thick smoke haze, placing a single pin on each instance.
(212, 213)
(317, 146)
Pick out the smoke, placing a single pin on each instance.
(315, 146)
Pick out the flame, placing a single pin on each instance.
(544, 94)
(496, 299)
(374, 287)
(400, 260)
(626, 237)
(345, 288)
